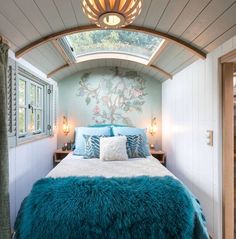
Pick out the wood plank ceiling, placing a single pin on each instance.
(204, 24)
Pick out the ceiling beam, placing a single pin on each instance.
(158, 52)
(52, 73)
(162, 72)
(194, 50)
(61, 51)
(159, 70)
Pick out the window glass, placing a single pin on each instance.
(22, 120)
(39, 120)
(32, 121)
(117, 41)
(32, 94)
(22, 85)
(39, 97)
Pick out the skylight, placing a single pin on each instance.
(113, 41)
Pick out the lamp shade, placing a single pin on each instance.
(112, 13)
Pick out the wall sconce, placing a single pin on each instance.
(153, 126)
(65, 126)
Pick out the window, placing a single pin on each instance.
(125, 42)
(34, 107)
(31, 107)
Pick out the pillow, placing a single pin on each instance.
(134, 146)
(106, 125)
(92, 146)
(80, 141)
(113, 148)
(134, 131)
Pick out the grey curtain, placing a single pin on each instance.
(4, 172)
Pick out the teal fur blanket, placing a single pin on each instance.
(114, 208)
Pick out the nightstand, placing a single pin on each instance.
(160, 155)
(59, 155)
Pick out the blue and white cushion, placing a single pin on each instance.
(134, 146)
(133, 131)
(80, 141)
(92, 146)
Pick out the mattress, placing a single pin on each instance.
(73, 165)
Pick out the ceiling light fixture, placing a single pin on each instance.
(112, 13)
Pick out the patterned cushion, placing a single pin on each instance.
(92, 146)
(80, 141)
(133, 131)
(134, 146)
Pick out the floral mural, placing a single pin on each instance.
(113, 96)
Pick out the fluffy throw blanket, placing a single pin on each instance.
(115, 208)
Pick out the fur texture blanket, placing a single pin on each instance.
(114, 208)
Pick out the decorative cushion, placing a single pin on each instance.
(134, 131)
(92, 146)
(113, 148)
(80, 141)
(107, 125)
(134, 146)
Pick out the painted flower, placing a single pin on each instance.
(105, 99)
(96, 110)
(136, 93)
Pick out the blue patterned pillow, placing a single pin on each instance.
(133, 131)
(92, 146)
(134, 146)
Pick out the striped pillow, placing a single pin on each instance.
(92, 146)
(134, 146)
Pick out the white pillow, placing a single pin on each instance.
(113, 148)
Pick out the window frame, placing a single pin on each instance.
(46, 107)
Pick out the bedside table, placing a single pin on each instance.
(160, 155)
(59, 155)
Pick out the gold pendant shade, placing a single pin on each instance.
(112, 13)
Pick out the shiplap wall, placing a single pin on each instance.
(191, 105)
(28, 162)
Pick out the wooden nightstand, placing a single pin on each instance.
(160, 155)
(59, 155)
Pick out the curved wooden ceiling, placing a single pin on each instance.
(203, 24)
(57, 35)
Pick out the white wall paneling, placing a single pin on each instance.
(27, 164)
(30, 161)
(191, 105)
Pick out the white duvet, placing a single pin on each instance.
(77, 166)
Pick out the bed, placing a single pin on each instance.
(90, 198)
(115, 190)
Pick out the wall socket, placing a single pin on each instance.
(209, 136)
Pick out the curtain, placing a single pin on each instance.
(4, 172)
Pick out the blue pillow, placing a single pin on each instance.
(80, 141)
(134, 146)
(92, 146)
(106, 125)
(134, 131)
